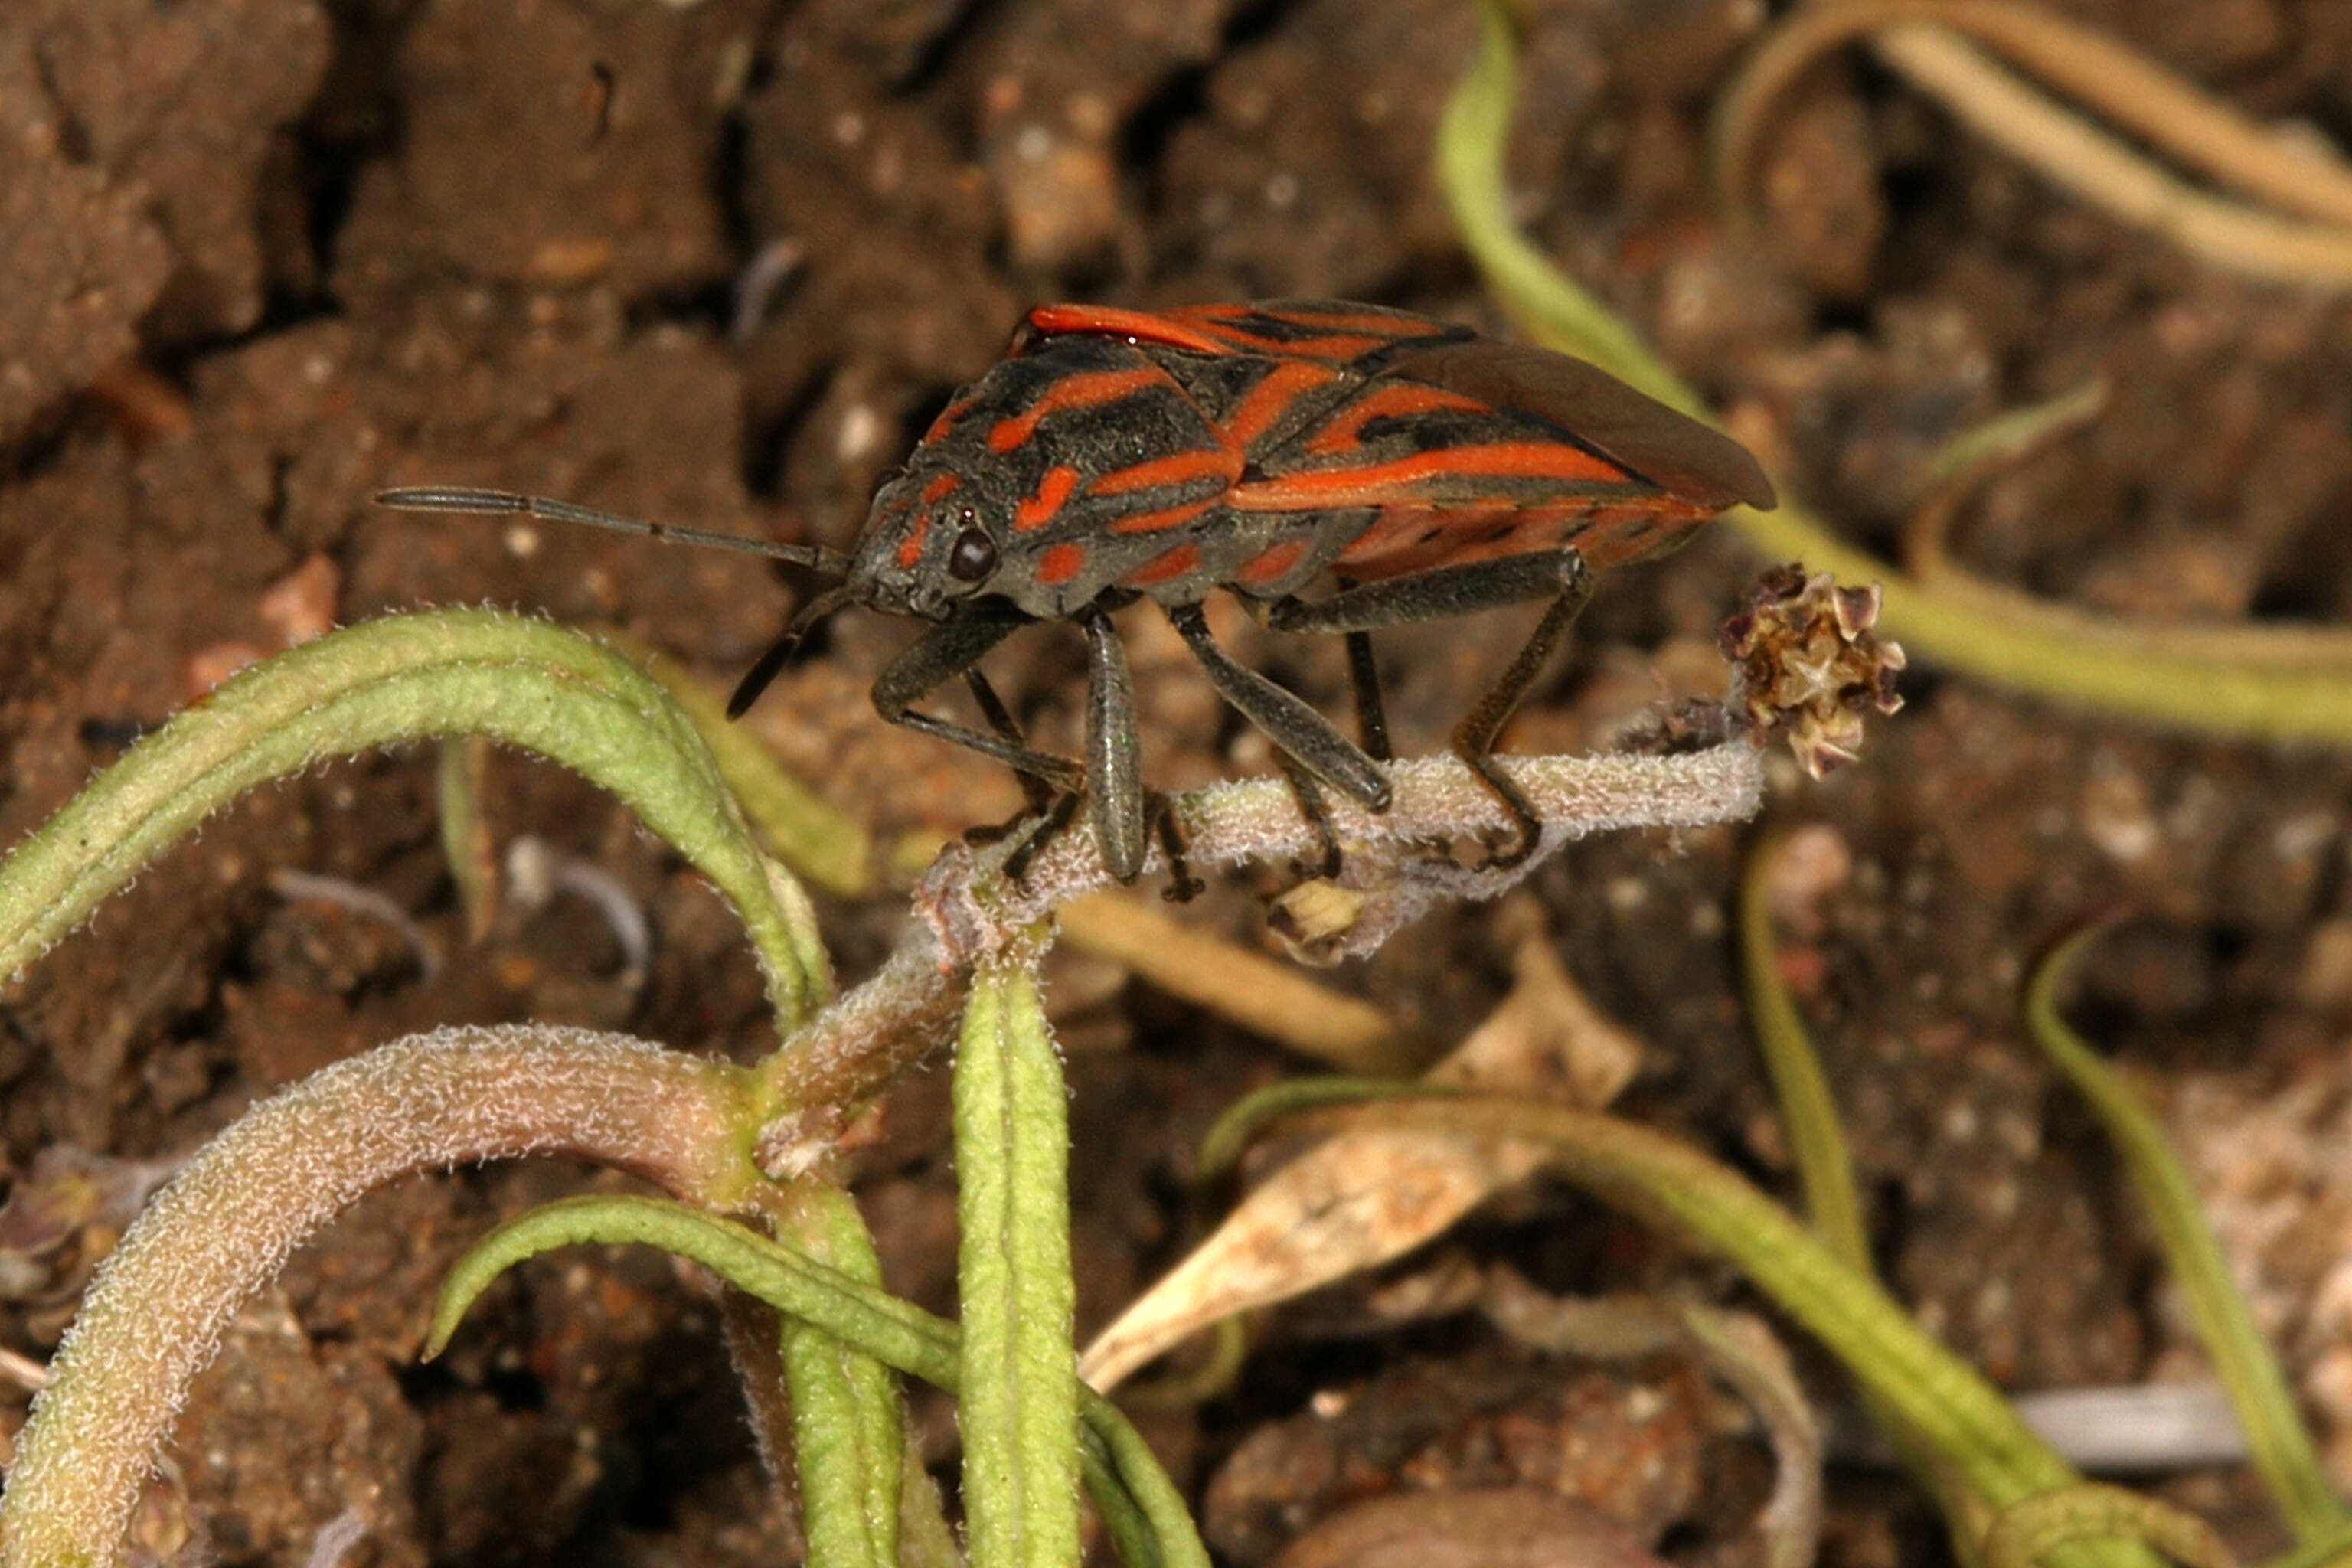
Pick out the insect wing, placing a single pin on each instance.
(1588, 405)
(1475, 450)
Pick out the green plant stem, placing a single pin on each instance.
(465, 835)
(1824, 1167)
(2280, 1445)
(412, 677)
(222, 1229)
(1133, 1492)
(2025, 1532)
(1014, 1278)
(2184, 692)
(1809, 1111)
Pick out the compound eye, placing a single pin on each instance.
(972, 556)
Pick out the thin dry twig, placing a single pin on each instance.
(1262, 994)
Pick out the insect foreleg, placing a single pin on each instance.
(1114, 754)
(946, 652)
(1039, 790)
(1285, 717)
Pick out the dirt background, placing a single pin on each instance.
(719, 263)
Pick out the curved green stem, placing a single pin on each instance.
(1816, 1135)
(1938, 1398)
(820, 842)
(222, 1227)
(2182, 691)
(2025, 1532)
(2280, 1446)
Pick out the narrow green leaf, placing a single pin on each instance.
(411, 677)
(895, 1332)
(1019, 1409)
(823, 844)
(1936, 1395)
(1127, 1481)
(848, 1432)
(1824, 1167)
(2281, 1448)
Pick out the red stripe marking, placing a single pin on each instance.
(1061, 564)
(947, 419)
(1052, 494)
(1376, 484)
(1269, 399)
(1110, 321)
(910, 549)
(1413, 539)
(1271, 565)
(1336, 348)
(938, 490)
(1166, 517)
(1403, 328)
(1340, 336)
(1176, 562)
(1088, 389)
(1398, 400)
(1173, 469)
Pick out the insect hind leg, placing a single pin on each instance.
(1447, 591)
(1286, 718)
(1473, 739)
(1371, 714)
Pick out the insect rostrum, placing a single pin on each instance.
(1114, 455)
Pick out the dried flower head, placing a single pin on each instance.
(1805, 664)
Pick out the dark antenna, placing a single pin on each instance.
(771, 663)
(511, 503)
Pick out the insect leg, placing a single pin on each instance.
(1460, 590)
(1311, 804)
(1473, 738)
(1286, 719)
(1183, 886)
(1364, 681)
(1048, 826)
(1039, 790)
(946, 652)
(1114, 755)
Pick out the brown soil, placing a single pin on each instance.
(719, 263)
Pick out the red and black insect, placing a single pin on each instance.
(1115, 454)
